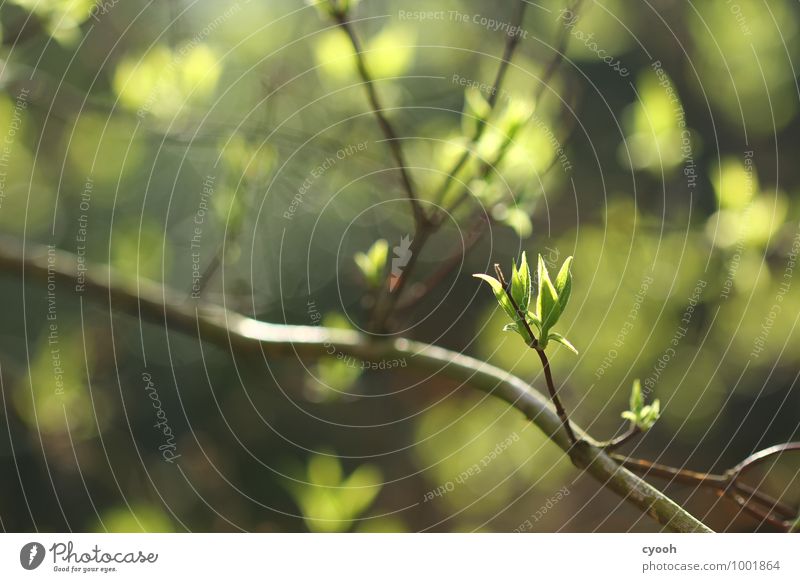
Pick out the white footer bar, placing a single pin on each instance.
(356, 557)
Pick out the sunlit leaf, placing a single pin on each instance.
(556, 337)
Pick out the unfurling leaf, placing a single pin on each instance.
(521, 283)
(547, 300)
(557, 337)
(637, 400)
(564, 284)
(518, 328)
(499, 294)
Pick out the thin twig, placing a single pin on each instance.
(420, 290)
(684, 476)
(511, 44)
(726, 485)
(420, 217)
(387, 299)
(757, 512)
(761, 456)
(615, 443)
(766, 500)
(562, 414)
(425, 226)
(544, 81)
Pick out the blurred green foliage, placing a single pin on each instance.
(215, 141)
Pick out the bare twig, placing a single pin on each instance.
(551, 387)
(761, 456)
(234, 331)
(727, 484)
(617, 442)
(420, 217)
(757, 512)
(386, 300)
(420, 290)
(561, 46)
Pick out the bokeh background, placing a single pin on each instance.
(233, 139)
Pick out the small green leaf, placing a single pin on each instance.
(521, 284)
(637, 400)
(628, 415)
(518, 328)
(564, 284)
(499, 294)
(649, 415)
(547, 300)
(557, 337)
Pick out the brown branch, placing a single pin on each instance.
(632, 432)
(229, 330)
(761, 456)
(757, 512)
(420, 290)
(425, 227)
(726, 485)
(684, 476)
(562, 414)
(387, 299)
(420, 217)
(774, 504)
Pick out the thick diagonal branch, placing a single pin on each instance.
(214, 324)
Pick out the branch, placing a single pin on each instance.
(146, 299)
(420, 290)
(508, 52)
(420, 218)
(614, 443)
(727, 484)
(425, 226)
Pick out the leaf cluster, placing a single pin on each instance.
(543, 313)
